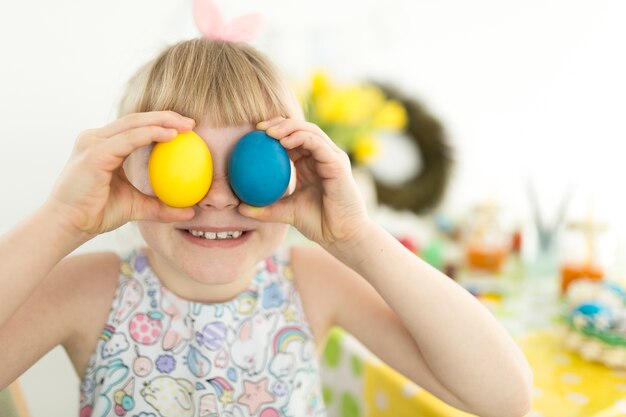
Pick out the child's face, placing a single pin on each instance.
(208, 261)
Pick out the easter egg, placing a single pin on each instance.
(181, 170)
(145, 329)
(212, 336)
(259, 169)
(592, 314)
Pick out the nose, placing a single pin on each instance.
(220, 195)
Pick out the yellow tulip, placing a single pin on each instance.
(352, 105)
(320, 84)
(392, 115)
(365, 149)
(352, 114)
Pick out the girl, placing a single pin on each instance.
(215, 317)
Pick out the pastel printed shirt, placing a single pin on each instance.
(163, 356)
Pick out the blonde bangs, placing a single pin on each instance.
(218, 82)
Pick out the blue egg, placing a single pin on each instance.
(259, 169)
(592, 314)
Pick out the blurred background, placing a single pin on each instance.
(513, 110)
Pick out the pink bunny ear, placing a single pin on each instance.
(210, 23)
(243, 28)
(208, 19)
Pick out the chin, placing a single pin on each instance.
(215, 276)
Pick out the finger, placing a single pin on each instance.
(123, 144)
(296, 154)
(319, 149)
(267, 123)
(289, 126)
(168, 119)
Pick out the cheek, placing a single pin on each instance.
(273, 234)
(152, 232)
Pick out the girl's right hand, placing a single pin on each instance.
(93, 195)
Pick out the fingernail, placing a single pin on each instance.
(261, 124)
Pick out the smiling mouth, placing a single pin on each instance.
(222, 235)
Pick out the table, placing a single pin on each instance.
(357, 384)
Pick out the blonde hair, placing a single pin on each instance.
(229, 83)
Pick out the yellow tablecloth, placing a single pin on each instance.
(568, 386)
(359, 385)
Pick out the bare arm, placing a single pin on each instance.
(401, 308)
(69, 307)
(91, 196)
(29, 252)
(446, 341)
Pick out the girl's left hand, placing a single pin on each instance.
(326, 205)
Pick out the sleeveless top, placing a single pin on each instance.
(163, 356)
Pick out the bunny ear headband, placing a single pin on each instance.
(211, 24)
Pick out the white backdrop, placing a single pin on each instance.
(530, 89)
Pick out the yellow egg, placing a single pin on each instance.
(181, 170)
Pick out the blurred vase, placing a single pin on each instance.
(583, 250)
(487, 239)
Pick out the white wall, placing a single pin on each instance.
(530, 89)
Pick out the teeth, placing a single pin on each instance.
(217, 236)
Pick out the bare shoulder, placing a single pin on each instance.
(89, 271)
(69, 308)
(303, 258)
(333, 294)
(314, 267)
(307, 264)
(92, 278)
(322, 283)
(84, 280)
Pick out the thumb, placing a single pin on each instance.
(279, 212)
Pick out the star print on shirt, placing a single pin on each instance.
(255, 394)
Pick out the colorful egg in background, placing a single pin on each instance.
(181, 170)
(259, 169)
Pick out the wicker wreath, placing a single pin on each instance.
(425, 190)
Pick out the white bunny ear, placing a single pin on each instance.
(208, 18)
